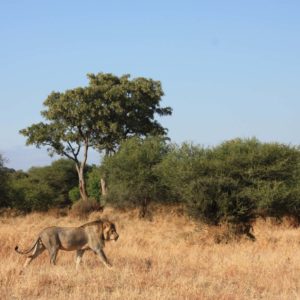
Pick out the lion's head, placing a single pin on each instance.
(109, 231)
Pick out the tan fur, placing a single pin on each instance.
(90, 236)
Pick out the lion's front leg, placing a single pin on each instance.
(103, 258)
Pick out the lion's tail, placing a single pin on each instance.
(29, 250)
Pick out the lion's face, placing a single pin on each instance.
(110, 232)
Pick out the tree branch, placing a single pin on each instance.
(73, 151)
(69, 156)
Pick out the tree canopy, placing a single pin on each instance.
(100, 115)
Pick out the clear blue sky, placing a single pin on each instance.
(228, 68)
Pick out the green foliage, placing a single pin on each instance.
(105, 112)
(232, 182)
(267, 175)
(32, 195)
(74, 194)
(93, 183)
(126, 107)
(235, 160)
(188, 172)
(43, 187)
(278, 177)
(4, 189)
(131, 172)
(235, 180)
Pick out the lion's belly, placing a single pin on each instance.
(72, 240)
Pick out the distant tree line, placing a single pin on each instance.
(234, 182)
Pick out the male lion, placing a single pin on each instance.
(90, 236)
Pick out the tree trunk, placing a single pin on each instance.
(82, 188)
(103, 187)
(80, 170)
(144, 207)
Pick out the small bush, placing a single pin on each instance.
(81, 209)
(230, 232)
(74, 194)
(93, 183)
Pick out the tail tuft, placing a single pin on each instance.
(26, 251)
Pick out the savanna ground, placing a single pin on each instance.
(168, 257)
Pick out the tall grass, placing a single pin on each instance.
(169, 257)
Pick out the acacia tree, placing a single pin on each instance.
(100, 115)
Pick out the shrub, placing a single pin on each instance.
(4, 184)
(29, 196)
(81, 209)
(234, 181)
(131, 173)
(74, 194)
(188, 173)
(93, 183)
(42, 188)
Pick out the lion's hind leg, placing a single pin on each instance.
(38, 249)
(79, 254)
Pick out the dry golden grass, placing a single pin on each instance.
(166, 258)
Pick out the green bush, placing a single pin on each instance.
(278, 177)
(31, 196)
(4, 184)
(93, 183)
(131, 173)
(74, 194)
(267, 175)
(234, 181)
(42, 188)
(188, 171)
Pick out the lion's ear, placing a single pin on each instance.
(105, 225)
